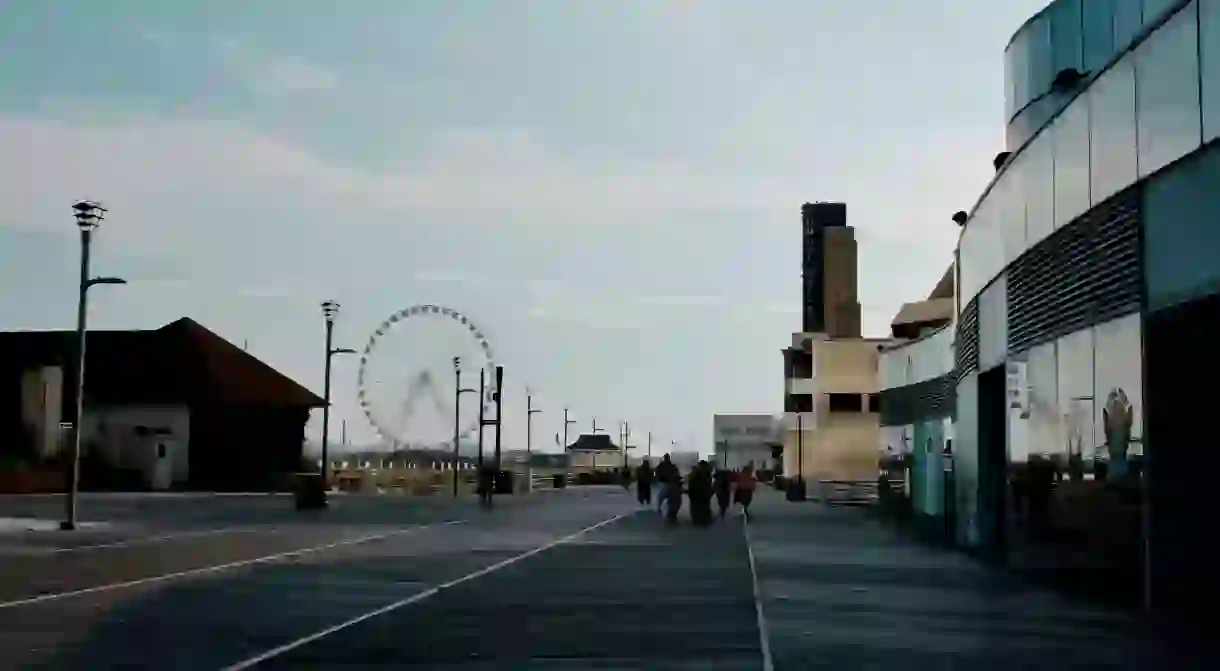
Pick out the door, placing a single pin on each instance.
(163, 463)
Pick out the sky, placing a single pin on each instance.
(611, 191)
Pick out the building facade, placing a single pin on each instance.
(174, 407)
(1086, 282)
(831, 408)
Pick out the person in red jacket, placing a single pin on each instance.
(745, 488)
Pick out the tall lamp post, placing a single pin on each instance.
(530, 411)
(626, 439)
(330, 309)
(89, 216)
(566, 423)
(457, 408)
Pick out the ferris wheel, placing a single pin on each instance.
(405, 384)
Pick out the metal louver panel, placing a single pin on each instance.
(966, 342)
(919, 402)
(1085, 273)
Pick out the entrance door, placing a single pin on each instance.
(163, 463)
(993, 464)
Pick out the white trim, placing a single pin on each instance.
(54, 596)
(764, 633)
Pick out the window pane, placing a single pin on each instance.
(1127, 22)
(1112, 131)
(1209, 52)
(1182, 231)
(971, 264)
(1020, 70)
(1041, 62)
(1071, 134)
(1009, 85)
(993, 324)
(1039, 187)
(1012, 207)
(1075, 363)
(1153, 9)
(1167, 74)
(1065, 35)
(1098, 33)
(1117, 375)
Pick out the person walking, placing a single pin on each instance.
(699, 489)
(665, 472)
(643, 483)
(745, 488)
(722, 484)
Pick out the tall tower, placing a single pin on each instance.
(828, 271)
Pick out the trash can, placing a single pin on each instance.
(559, 480)
(504, 482)
(795, 489)
(309, 491)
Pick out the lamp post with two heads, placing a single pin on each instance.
(330, 310)
(89, 216)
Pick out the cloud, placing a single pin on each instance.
(274, 74)
(677, 301)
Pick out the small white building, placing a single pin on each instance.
(745, 439)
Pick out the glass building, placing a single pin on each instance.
(1087, 276)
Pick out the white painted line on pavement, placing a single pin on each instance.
(148, 540)
(216, 568)
(764, 634)
(430, 592)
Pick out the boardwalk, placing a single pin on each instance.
(581, 579)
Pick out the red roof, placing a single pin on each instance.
(179, 362)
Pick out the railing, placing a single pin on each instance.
(844, 492)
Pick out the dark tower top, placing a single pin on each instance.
(815, 218)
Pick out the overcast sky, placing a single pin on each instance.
(610, 190)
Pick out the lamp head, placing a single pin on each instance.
(89, 214)
(330, 309)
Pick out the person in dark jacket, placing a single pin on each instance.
(722, 483)
(643, 483)
(666, 471)
(699, 489)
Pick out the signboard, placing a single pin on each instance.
(1017, 386)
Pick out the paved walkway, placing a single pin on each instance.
(582, 579)
(841, 590)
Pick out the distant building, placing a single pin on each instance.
(594, 452)
(828, 271)
(831, 386)
(745, 439)
(177, 406)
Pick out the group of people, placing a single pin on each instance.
(700, 485)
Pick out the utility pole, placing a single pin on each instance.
(594, 454)
(457, 422)
(530, 412)
(499, 416)
(566, 422)
(626, 439)
(482, 421)
(649, 446)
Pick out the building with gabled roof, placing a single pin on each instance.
(178, 406)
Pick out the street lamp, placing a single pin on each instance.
(530, 411)
(89, 216)
(330, 310)
(626, 439)
(457, 410)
